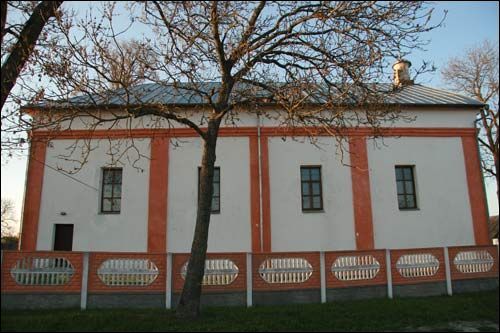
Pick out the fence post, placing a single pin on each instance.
(449, 287)
(389, 272)
(168, 282)
(249, 280)
(323, 276)
(85, 282)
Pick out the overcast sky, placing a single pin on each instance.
(467, 23)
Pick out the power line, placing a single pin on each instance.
(65, 174)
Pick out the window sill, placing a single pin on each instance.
(313, 211)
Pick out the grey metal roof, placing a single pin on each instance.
(183, 94)
(417, 94)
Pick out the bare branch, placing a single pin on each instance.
(476, 75)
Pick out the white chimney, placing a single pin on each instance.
(402, 73)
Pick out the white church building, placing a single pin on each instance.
(274, 190)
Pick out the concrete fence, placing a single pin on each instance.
(44, 279)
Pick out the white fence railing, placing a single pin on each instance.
(40, 271)
(127, 272)
(352, 268)
(417, 265)
(285, 270)
(218, 272)
(473, 261)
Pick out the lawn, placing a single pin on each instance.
(434, 313)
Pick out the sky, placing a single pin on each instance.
(467, 23)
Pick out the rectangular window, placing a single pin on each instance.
(111, 195)
(405, 183)
(216, 189)
(312, 193)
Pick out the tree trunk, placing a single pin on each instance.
(497, 175)
(491, 144)
(189, 303)
(21, 51)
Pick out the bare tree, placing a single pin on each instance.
(25, 38)
(7, 210)
(25, 27)
(476, 74)
(129, 64)
(317, 63)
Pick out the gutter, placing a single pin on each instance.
(259, 149)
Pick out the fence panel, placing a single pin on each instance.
(412, 266)
(223, 272)
(42, 271)
(355, 268)
(118, 272)
(286, 271)
(473, 262)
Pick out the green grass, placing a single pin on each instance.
(367, 315)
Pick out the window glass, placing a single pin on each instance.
(216, 189)
(405, 185)
(111, 191)
(310, 178)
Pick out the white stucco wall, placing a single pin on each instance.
(428, 117)
(443, 217)
(294, 230)
(435, 118)
(229, 229)
(94, 231)
(409, 117)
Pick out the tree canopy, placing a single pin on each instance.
(314, 61)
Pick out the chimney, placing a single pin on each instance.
(402, 73)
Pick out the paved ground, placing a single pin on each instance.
(459, 326)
